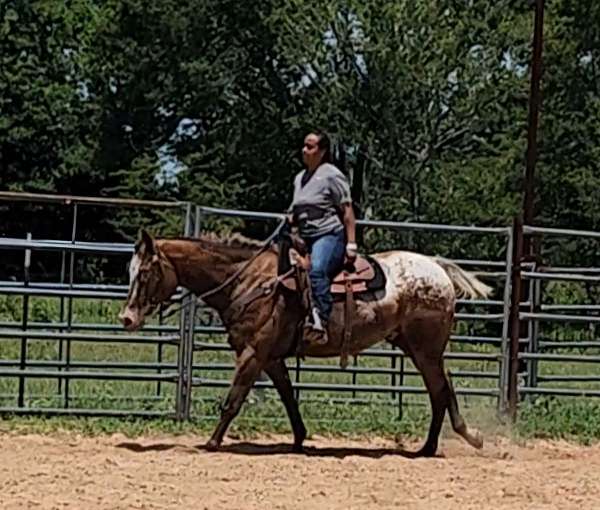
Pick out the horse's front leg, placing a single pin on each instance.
(280, 376)
(246, 372)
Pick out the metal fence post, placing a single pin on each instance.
(506, 309)
(401, 393)
(191, 318)
(535, 298)
(513, 365)
(186, 347)
(63, 265)
(24, 321)
(67, 353)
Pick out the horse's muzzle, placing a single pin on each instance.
(130, 319)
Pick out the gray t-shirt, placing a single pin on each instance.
(325, 191)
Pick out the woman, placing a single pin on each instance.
(322, 210)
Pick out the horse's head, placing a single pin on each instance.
(152, 280)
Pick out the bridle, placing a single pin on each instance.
(168, 311)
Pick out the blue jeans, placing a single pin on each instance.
(326, 260)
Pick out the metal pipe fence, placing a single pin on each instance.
(561, 354)
(65, 365)
(385, 370)
(200, 358)
(62, 351)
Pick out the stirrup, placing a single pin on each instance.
(314, 336)
(315, 330)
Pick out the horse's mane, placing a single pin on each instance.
(234, 240)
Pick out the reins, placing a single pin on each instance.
(227, 282)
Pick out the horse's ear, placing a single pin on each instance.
(148, 242)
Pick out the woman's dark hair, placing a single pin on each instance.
(324, 144)
(334, 154)
(330, 152)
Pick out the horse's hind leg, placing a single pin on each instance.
(458, 423)
(278, 373)
(246, 372)
(439, 397)
(424, 340)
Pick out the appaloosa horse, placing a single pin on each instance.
(414, 310)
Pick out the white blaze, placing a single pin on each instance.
(134, 268)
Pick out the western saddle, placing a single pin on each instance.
(293, 266)
(362, 277)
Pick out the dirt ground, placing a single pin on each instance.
(69, 471)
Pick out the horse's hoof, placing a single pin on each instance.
(426, 451)
(476, 440)
(212, 446)
(297, 448)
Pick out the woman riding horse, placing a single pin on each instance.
(414, 311)
(322, 210)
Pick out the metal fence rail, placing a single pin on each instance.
(57, 360)
(557, 357)
(199, 360)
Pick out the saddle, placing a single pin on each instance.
(358, 278)
(364, 275)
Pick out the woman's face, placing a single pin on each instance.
(311, 153)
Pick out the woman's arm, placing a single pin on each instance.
(350, 226)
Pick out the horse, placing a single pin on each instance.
(414, 311)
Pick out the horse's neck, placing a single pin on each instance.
(201, 267)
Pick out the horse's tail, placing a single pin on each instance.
(465, 283)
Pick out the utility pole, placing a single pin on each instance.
(535, 102)
(524, 248)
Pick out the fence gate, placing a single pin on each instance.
(555, 349)
(62, 349)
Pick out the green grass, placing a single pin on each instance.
(574, 419)
(549, 418)
(325, 412)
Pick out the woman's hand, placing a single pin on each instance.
(350, 227)
(351, 251)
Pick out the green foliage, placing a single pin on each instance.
(208, 101)
(557, 419)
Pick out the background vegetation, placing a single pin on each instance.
(208, 101)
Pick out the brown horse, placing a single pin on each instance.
(414, 311)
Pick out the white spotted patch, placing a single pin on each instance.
(413, 273)
(416, 286)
